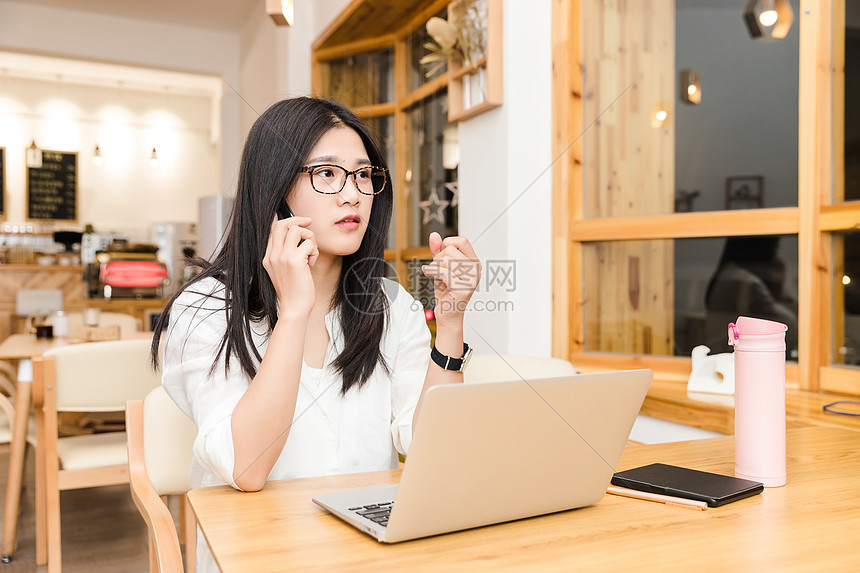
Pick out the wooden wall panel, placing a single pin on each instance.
(629, 164)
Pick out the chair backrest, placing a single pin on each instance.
(160, 444)
(504, 367)
(168, 443)
(29, 301)
(7, 416)
(127, 323)
(102, 376)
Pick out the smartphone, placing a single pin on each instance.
(284, 211)
(715, 489)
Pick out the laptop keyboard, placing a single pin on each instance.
(375, 512)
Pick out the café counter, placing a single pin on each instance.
(69, 279)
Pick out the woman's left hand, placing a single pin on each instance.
(456, 272)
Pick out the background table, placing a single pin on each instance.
(810, 524)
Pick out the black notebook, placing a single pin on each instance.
(715, 489)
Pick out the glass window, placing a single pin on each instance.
(382, 128)
(419, 285)
(419, 74)
(649, 150)
(846, 298)
(851, 113)
(666, 297)
(360, 79)
(431, 175)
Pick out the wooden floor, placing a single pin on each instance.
(102, 530)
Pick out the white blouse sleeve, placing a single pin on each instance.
(411, 339)
(208, 395)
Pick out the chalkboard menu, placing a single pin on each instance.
(52, 189)
(2, 181)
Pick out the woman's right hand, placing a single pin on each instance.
(289, 264)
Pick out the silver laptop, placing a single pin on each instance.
(491, 452)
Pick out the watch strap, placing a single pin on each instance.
(447, 362)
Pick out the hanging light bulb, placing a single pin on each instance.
(34, 156)
(768, 17)
(153, 158)
(97, 156)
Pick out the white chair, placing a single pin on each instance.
(505, 367)
(160, 444)
(90, 377)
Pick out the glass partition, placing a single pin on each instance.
(631, 308)
(652, 149)
(361, 79)
(431, 176)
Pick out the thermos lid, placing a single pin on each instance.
(757, 334)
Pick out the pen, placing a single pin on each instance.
(667, 499)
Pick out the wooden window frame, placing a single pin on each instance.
(812, 221)
(404, 100)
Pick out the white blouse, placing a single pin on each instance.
(330, 433)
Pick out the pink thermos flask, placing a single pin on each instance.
(759, 399)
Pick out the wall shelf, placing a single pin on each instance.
(476, 87)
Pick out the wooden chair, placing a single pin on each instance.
(504, 367)
(7, 395)
(160, 445)
(91, 377)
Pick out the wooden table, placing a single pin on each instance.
(811, 524)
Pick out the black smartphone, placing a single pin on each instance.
(715, 489)
(284, 211)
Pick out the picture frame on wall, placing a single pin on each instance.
(745, 192)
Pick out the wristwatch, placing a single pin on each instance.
(453, 364)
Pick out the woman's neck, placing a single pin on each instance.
(326, 274)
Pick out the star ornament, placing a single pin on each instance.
(454, 187)
(434, 208)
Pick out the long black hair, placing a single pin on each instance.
(276, 149)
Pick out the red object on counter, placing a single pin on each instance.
(134, 274)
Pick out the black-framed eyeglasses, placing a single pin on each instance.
(331, 179)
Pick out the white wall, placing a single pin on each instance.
(276, 60)
(125, 193)
(85, 35)
(506, 191)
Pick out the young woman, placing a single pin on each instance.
(290, 352)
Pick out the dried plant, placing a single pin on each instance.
(462, 37)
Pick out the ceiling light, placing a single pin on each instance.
(282, 12)
(153, 159)
(97, 156)
(34, 156)
(768, 19)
